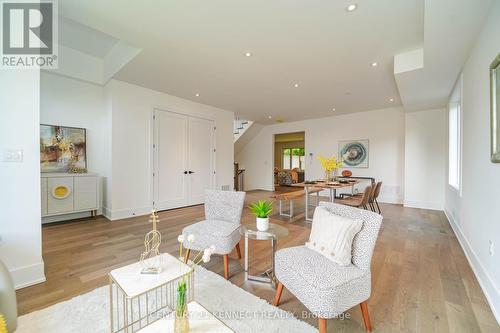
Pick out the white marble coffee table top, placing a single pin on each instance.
(133, 283)
(200, 320)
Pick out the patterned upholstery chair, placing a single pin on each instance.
(221, 225)
(324, 287)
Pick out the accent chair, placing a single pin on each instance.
(221, 225)
(324, 287)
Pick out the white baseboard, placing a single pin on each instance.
(106, 212)
(26, 276)
(423, 205)
(490, 290)
(126, 213)
(390, 199)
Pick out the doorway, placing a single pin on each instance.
(183, 159)
(289, 160)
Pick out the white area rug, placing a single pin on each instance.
(90, 312)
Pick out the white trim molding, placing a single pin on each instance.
(490, 289)
(126, 213)
(423, 205)
(29, 275)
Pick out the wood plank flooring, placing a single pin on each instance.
(421, 280)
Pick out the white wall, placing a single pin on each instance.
(475, 214)
(20, 227)
(132, 110)
(384, 128)
(425, 159)
(71, 102)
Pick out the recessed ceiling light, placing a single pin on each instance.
(296, 85)
(333, 109)
(351, 7)
(391, 99)
(374, 64)
(270, 117)
(197, 95)
(248, 54)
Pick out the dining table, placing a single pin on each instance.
(332, 186)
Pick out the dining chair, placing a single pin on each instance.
(376, 194)
(359, 201)
(324, 287)
(221, 227)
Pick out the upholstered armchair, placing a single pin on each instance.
(325, 288)
(221, 225)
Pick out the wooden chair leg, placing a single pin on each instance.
(238, 250)
(186, 255)
(322, 325)
(366, 316)
(277, 296)
(226, 267)
(378, 207)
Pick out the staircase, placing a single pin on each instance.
(240, 126)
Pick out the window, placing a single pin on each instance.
(454, 136)
(293, 158)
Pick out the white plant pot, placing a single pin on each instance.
(262, 223)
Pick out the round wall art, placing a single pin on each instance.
(355, 153)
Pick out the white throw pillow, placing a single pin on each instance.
(332, 235)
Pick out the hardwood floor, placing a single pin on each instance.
(421, 280)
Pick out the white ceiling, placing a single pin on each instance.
(451, 28)
(85, 39)
(198, 46)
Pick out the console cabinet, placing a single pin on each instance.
(69, 193)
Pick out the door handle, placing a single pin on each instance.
(190, 172)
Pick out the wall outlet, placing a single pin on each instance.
(12, 155)
(492, 248)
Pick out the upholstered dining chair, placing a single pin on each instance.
(360, 201)
(324, 287)
(221, 225)
(376, 193)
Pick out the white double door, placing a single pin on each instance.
(183, 159)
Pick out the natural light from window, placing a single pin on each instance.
(454, 137)
(293, 158)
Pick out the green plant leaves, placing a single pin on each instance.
(262, 208)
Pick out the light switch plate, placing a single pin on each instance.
(12, 155)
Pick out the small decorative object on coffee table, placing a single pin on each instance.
(262, 209)
(274, 232)
(150, 258)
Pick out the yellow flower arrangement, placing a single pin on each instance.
(3, 324)
(330, 164)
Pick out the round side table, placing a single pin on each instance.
(274, 232)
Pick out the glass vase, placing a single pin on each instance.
(328, 175)
(335, 174)
(181, 321)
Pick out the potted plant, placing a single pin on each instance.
(262, 209)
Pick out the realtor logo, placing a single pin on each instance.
(29, 34)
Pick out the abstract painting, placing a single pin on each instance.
(62, 148)
(355, 152)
